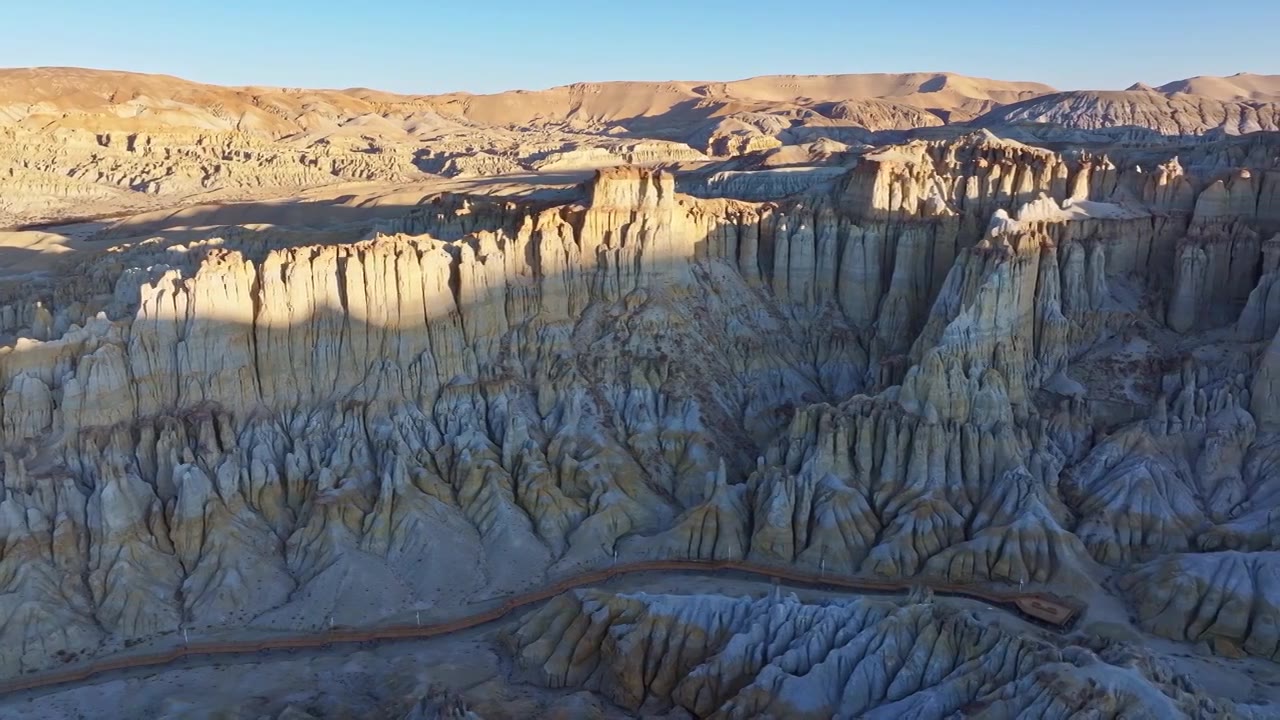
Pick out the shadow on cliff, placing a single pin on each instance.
(24, 263)
(367, 333)
(530, 189)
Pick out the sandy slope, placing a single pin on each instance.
(79, 90)
(1241, 86)
(47, 98)
(620, 100)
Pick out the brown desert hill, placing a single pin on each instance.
(891, 85)
(1241, 87)
(1173, 115)
(47, 98)
(86, 143)
(46, 94)
(78, 142)
(947, 94)
(617, 101)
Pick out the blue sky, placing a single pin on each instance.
(492, 45)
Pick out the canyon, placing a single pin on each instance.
(277, 361)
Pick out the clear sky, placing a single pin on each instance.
(431, 46)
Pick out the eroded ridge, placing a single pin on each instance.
(718, 657)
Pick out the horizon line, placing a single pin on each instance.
(354, 88)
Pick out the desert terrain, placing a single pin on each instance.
(280, 362)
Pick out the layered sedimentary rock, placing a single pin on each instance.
(779, 657)
(1226, 599)
(1168, 114)
(967, 361)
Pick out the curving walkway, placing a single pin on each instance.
(1055, 612)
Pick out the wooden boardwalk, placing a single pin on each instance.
(1049, 610)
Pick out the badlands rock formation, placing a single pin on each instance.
(1167, 114)
(88, 143)
(782, 658)
(955, 359)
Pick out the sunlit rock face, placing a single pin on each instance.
(962, 362)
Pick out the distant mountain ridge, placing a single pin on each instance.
(99, 141)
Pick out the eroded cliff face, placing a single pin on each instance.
(782, 658)
(1171, 114)
(971, 361)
